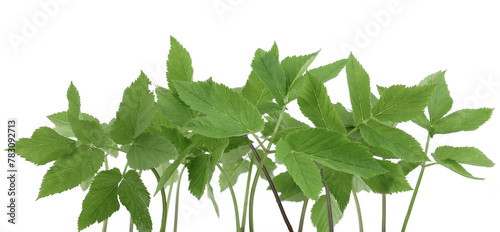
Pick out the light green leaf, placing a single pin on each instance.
(228, 113)
(136, 111)
(393, 181)
(86, 184)
(399, 103)
(319, 214)
(102, 199)
(167, 174)
(295, 66)
(303, 170)
(340, 185)
(315, 104)
(256, 92)
(289, 190)
(71, 169)
(61, 122)
(216, 148)
(210, 194)
(45, 145)
(198, 175)
(85, 130)
(268, 69)
(335, 151)
(407, 167)
(274, 50)
(149, 151)
(345, 116)
(233, 170)
(462, 120)
(287, 122)
(441, 101)
(401, 144)
(359, 90)
(359, 185)
(423, 122)
(329, 71)
(456, 167)
(173, 108)
(178, 64)
(463, 155)
(135, 197)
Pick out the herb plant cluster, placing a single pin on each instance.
(206, 126)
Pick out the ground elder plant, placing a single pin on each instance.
(206, 126)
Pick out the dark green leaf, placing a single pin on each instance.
(319, 214)
(345, 116)
(173, 108)
(198, 175)
(289, 190)
(393, 181)
(340, 185)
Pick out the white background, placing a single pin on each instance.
(103, 45)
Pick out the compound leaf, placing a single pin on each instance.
(462, 120)
(135, 197)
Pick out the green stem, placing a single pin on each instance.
(271, 184)
(384, 212)
(106, 167)
(168, 200)
(131, 225)
(352, 131)
(358, 209)
(247, 190)
(235, 203)
(303, 214)
(164, 203)
(115, 148)
(176, 212)
(417, 187)
(328, 204)
(105, 225)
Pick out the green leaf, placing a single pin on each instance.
(233, 170)
(393, 181)
(171, 169)
(45, 145)
(256, 92)
(359, 90)
(86, 184)
(85, 130)
(136, 111)
(289, 190)
(463, 155)
(176, 137)
(399, 103)
(340, 185)
(407, 167)
(178, 64)
(303, 170)
(359, 185)
(61, 122)
(319, 214)
(228, 113)
(216, 148)
(335, 151)
(173, 108)
(198, 175)
(295, 66)
(268, 69)
(211, 196)
(462, 120)
(149, 151)
(71, 169)
(102, 199)
(329, 71)
(441, 101)
(135, 197)
(401, 144)
(274, 50)
(456, 167)
(345, 116)
(317, 107)
(423, 122)
(287, 122)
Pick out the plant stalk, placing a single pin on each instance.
(164, 203)
(417, 187)
(358, 209)
(235, 202)
(384, 212)
(131, 225)
(303, 214)
(247, 190)
(176, 212)
(106, 167)
(328, 204)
